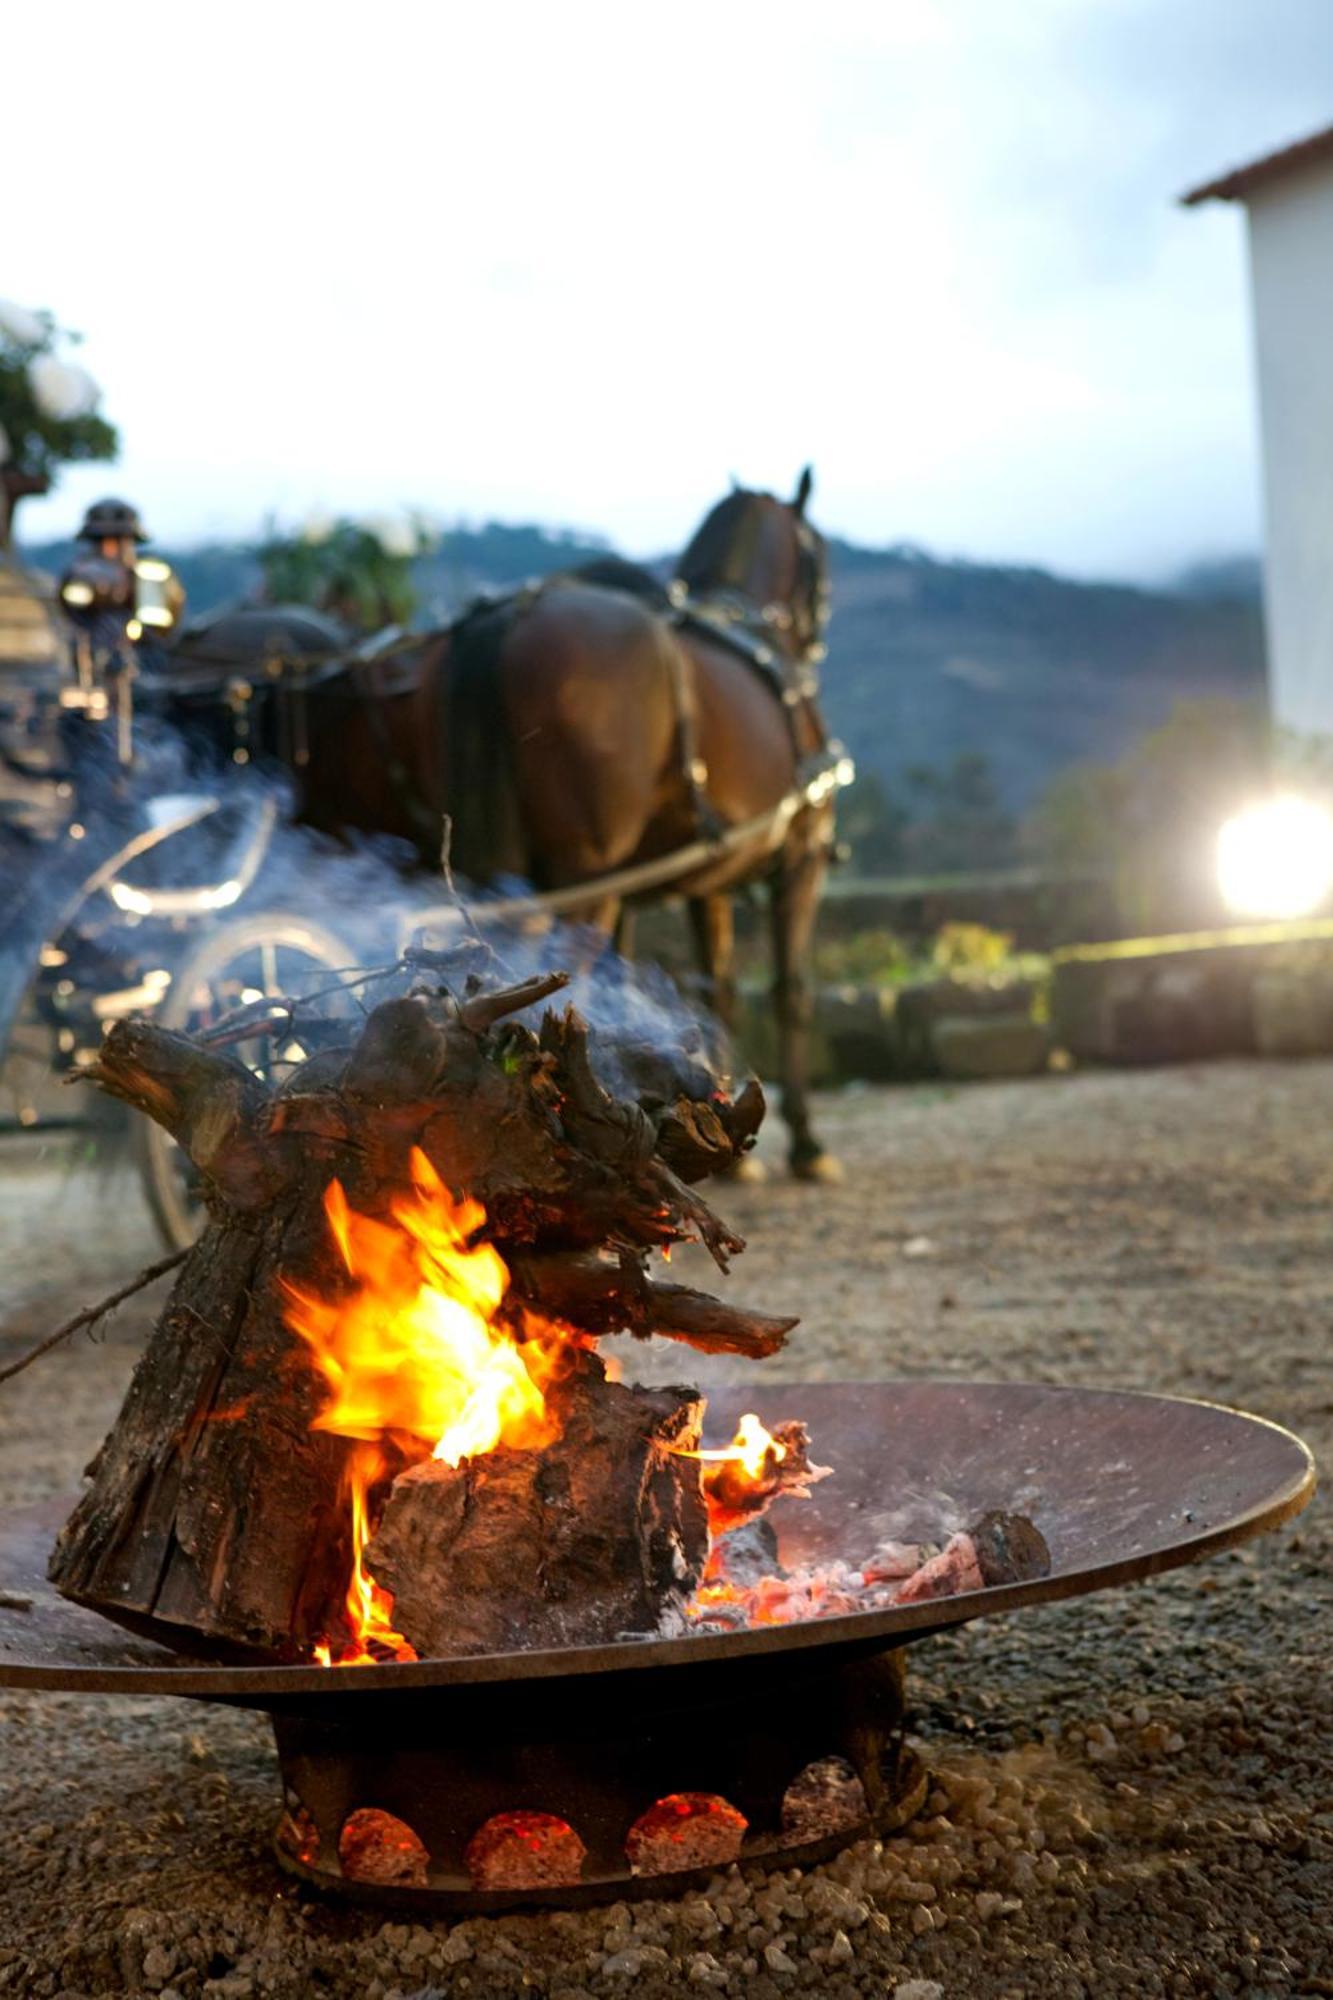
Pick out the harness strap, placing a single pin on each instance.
(428, 825)
(694, 769)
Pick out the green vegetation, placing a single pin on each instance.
(963, 952)
(48, 408)
(359, 572)
(1151, 820)
(933, 821)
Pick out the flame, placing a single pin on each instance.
(750, 1450)
(368, 1607)
(415, 1358)
(413, 1351)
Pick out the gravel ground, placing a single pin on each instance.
(1133, 1793)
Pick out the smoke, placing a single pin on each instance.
(154, 867)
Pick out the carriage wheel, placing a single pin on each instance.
(270, 954)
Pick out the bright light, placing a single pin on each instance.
(133, 901)
(1276, 859)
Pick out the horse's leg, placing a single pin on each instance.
(624, 932)
(796, 883)
(713, 924)
(712, 919)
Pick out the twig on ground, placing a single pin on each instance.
(90, 1314)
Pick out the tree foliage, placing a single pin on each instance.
(1150, 822)
(48, 414)
(941, 819)
(360, 572)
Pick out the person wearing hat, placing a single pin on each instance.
(115, 601)
(99, 589)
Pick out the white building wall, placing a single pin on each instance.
(1291, 254)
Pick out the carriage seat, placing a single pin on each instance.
(246, 641)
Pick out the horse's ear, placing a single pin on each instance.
(805, 486)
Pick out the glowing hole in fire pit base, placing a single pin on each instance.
(525, 1850)
(826, 1798)
(375, 1847)
(685, 1830)
(298, 1835)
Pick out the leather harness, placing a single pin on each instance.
(386, 666)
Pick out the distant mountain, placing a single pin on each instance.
(468, 560)
(929, 660)
(1240, 578)
(932, 660)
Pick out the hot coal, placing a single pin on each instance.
(685, 1830)
(1002, 1548)
(742, 1589)
(745, 1555)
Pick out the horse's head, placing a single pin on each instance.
(763, 549)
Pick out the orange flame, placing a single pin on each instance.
(740, 1477)
(368, 1606)
(413, 1349)
(414, 1356)
(753, 1449)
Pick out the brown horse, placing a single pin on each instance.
(595, 722)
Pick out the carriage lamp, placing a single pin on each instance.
(158, 597)
(1275, 859)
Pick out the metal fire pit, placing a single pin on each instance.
(1120, 1485)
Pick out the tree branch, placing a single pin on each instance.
(90, 1314)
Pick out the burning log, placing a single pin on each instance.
(595, 1535)
(744, 1478)
(385, 1192)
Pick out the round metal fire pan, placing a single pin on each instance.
(1121, 1485)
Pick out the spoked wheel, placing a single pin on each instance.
(269, 956)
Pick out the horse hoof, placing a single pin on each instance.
(748, 1171)
(822, 1169)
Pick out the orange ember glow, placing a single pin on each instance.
(414, 1356)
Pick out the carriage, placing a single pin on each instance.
(146, 891)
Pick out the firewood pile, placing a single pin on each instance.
(372, 1418)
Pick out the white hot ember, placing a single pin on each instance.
(747, 1585)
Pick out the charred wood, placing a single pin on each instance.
(594, 1535)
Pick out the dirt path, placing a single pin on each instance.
(1135, 1792)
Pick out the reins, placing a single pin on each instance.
(818, 784)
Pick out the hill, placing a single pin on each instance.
(930, 661)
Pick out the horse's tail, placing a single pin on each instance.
(489, 836)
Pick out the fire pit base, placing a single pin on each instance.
(594, 1792)
(560, 1777)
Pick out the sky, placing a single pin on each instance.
(585, 263)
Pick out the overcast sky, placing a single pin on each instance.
(580, 263)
